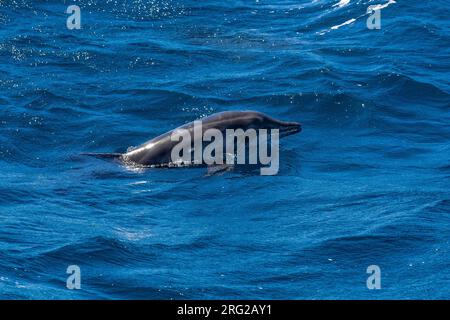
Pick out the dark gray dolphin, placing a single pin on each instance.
(157, 151)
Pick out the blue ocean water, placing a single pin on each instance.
(365, 183)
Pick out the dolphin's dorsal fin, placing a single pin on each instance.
(103, 155)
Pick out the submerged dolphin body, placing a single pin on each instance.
(157, 151)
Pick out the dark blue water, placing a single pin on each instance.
(367, 182)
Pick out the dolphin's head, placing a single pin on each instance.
(286, 128)
(249, 120)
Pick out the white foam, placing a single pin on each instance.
(382, 6)
(343, 24)
(341, 3)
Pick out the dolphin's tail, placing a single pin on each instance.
(112, 156)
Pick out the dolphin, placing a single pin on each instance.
(157, 151)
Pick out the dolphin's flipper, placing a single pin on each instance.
(219, 169)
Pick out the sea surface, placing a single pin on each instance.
(367, 181)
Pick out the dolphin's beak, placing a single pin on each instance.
(289, 128)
